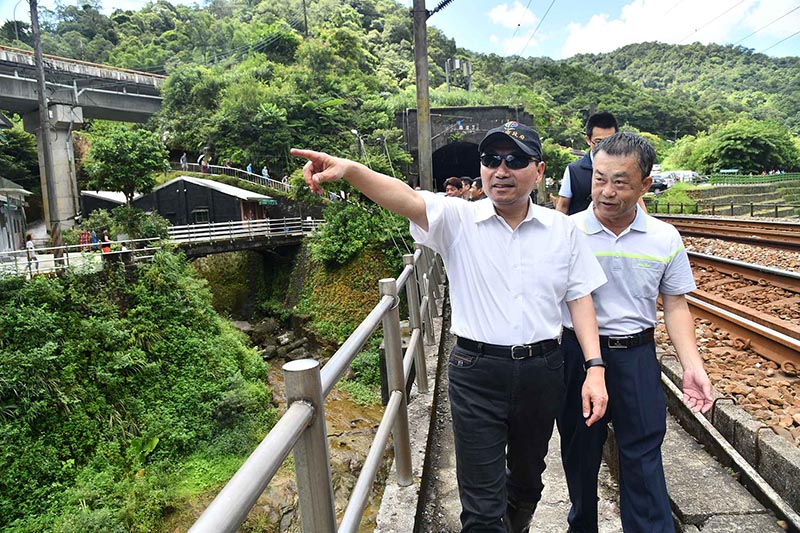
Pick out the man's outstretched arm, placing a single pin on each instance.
(384, 190)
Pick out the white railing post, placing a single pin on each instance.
(311, 456)
(415, 322)
(396, 379)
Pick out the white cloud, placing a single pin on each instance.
(518, 18)
(681, 22)
(512, 16)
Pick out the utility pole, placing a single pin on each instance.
(305, 20)
(424, 148)
(49, 192)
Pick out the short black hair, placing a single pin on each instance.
(478, 183)
(466, 180)
(601, 120)
(627, 143)
(455, 182)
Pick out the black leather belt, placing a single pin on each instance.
(518, 351)
(617, 342)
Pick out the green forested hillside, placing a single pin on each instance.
(726, 81)
(251, 78)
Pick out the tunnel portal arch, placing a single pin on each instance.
(455, 159)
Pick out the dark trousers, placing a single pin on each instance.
(637, 408)
(503, 412)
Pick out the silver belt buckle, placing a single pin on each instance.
(513, 353)
(616, 343)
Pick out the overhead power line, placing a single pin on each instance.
(766, 25)
(779, 42)
(518, 24)
(537, 27)
(712, 20)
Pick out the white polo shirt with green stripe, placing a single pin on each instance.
(646, 258)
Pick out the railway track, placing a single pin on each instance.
(734, 308)
(778, 234)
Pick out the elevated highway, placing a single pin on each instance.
(76, 90)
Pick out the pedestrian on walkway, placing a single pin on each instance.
(184, 162)
(31, 252)
(510, 266)
(642, 257)
(105, 242)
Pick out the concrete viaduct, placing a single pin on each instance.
(76, 90)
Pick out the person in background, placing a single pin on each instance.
(510, 264)
(105, 241)
(452, 187)
(264, 171)
(476, 191)
(641, 257)
(466, 190)
(184, 162)
(31, 252)
(249, 168)
(576, 186)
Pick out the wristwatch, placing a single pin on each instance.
(597, 361)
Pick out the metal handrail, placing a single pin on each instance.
(243, 175)
(306, 384)
(57, 258)
(192, 233)
(50, 259)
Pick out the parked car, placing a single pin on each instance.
(660, 183)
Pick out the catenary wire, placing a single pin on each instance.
(537, 27)
(767, 25)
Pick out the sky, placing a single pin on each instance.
(562, 28)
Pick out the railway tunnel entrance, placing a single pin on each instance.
(455, 159)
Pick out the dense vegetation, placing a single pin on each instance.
(248, 80)
(121, 395)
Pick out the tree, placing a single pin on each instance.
(749, 146)
(124, 159)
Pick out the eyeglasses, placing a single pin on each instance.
(513, 161)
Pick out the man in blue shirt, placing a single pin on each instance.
(641, 257)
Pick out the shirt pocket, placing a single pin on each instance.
(646, 278)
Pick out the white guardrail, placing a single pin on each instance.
(302, 427)
(258, 179)
(49, 259)
(90, 257)
(243, 229)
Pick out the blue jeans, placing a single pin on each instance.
(637, 407)
(503, 413)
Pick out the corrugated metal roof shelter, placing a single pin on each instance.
(189, 200)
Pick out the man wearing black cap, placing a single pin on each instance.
(510, 265)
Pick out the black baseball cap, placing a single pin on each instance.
(523, 136)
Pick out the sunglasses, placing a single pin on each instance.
(513, 161)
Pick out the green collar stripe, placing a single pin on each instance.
(639, 256)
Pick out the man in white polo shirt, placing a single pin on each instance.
(642, 257)
(510, 266)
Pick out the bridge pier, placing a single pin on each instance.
(63, 120)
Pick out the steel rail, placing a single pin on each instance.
(758, 273)
(768, 233)
(774, 345)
